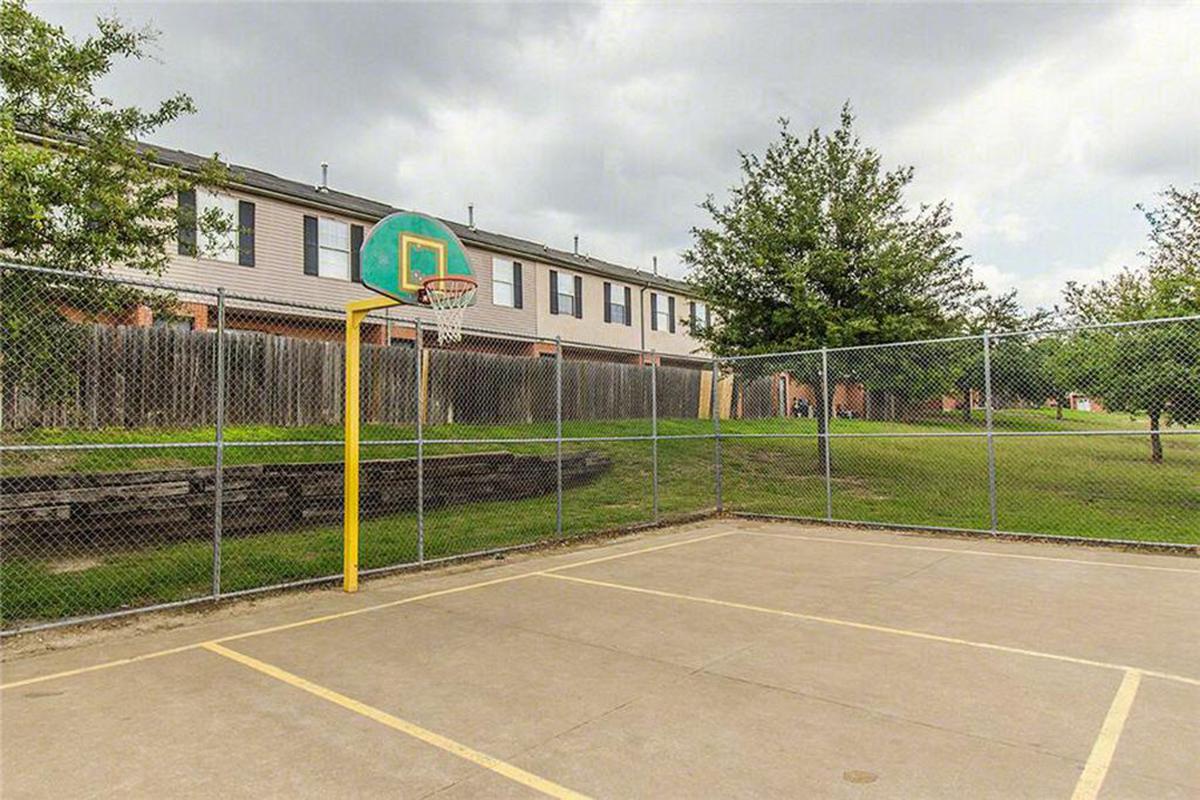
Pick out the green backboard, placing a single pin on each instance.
(405, 248)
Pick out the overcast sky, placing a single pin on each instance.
(1042, 126)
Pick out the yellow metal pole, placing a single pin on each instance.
(355, 312)
(350, 499)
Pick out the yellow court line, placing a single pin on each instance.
(513, 773)
(964, 551)
(352, 612)
(102, 665)
(1096, 768)
(933, 637)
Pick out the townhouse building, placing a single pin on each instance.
(297, 243)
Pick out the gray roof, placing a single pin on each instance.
(257, 180)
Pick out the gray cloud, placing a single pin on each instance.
(1042, 125)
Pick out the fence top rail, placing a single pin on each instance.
(969, 337)
(1135, 323)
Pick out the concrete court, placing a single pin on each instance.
(729, 658)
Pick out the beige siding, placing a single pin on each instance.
(663, 341)
(278, 273)
(593, 329)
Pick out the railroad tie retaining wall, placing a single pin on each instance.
(42, 515)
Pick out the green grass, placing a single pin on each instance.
(1077, 486)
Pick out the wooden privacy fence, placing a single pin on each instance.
(134, 377)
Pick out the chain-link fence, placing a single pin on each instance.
(164, 445)
(1076, 433)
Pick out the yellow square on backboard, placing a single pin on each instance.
(410, 247)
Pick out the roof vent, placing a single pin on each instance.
(654, 260)
(324, 187)
(577, 244)
(471, 216)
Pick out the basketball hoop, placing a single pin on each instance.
(448, 296)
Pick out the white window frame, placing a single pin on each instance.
(504, 278)
(701, 315)
(569, 279)
(662, 314)
(333, 257)
(228, 206)
(616, 299)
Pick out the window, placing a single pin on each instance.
(699, 315)
(221, 246)
(333, 249)
(506, 283)
(616, 304)
(566, 294)
(174, 323)
(662, 312)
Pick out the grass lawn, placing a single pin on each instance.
(1078, 486)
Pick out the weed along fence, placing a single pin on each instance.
(200, 456)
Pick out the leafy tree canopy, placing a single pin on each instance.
(77, 190)
(817, 247)
(1167, 284)
(1148, 369)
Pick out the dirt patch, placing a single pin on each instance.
(66, 565)
(859, 488)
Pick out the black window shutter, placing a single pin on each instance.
(356, 240)
(707, 316)
(518, 286)
(246, 233)
(692, 315)
(607, 301)
(553, 291)
(628, 308)
(310, 245)
(578, 297)
(186, 218)
(671, 314)
(653, 311)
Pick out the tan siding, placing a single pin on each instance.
(279, 274)
(592, 329)
(678, 343)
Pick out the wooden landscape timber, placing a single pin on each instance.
(48, 514)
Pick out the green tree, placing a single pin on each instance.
(77, 190)
(1018, 366)
(1149, 369)
(816, 246)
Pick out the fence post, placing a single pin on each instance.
(219, 471)
(419, 352)
(716, 418)
(558, 437)
(825, 440)
(991, 439)
(654, 431)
